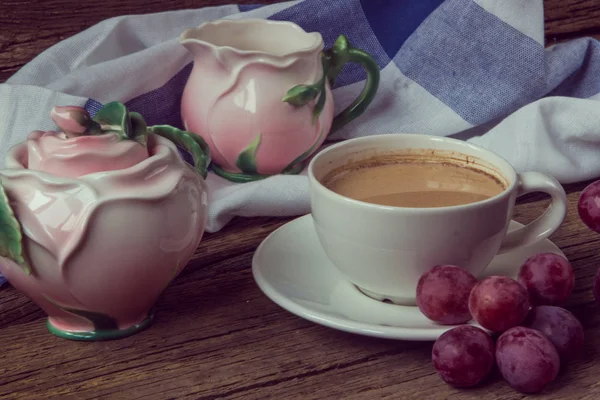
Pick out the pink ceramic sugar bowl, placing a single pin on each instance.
(260, 95)
(98, 218)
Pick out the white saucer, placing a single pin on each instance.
(291, 268)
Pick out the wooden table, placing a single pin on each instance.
(216, 335)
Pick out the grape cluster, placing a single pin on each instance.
(532, 342)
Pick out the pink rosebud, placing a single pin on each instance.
(74, 121)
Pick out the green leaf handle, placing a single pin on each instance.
(191, 142)
(341, 53)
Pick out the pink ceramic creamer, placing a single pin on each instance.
(97, 221)
(259, 94)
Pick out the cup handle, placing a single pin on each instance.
(336, 57)
(548, 222)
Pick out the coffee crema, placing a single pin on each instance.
(413, 182)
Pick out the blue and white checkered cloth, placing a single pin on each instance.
(474, 69)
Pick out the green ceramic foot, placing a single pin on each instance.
(240, 177)
(101, 334)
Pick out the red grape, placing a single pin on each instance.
(527, 359)
(548, 278)
(499, 303)
(443, 294)
(588, 206)
(463, 356)
(561, 327)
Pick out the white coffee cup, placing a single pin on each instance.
(384, 250)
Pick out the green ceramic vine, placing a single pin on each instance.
(11, 235)
(191, 142)
(114, 118)
(246, 162)
(298, 161)
(301, 95)
(333, 61)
